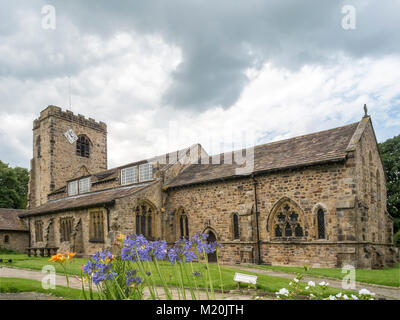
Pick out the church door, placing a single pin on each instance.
(212, 257)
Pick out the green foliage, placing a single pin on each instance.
(397, 239)
(13, 187)
(390, 152)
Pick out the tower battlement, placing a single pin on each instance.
(69, 116)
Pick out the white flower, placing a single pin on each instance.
(296, 280)
(290, 283)
(311, 295)
(354, 297)
(366, 292)
(339, 295)
(332, 298)
(307, 287)
(311, 283)
(283, 291)
(345, 297)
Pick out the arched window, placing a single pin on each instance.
(83, 146)
(38, 147)
(183, 224)
(287, 220)
(321, 223)
(236, 228)
(144, 220)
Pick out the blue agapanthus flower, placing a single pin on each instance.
(99, 267)
(136, 247)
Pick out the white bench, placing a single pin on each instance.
(245, 278)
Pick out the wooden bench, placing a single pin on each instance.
(43, 251)
(245, 278)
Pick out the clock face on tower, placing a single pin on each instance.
(71, 136)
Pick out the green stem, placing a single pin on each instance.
(220, 274)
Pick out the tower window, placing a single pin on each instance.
(83, 147)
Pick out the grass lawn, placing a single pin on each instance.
(15, 285)
(387, 276)
(265, 283)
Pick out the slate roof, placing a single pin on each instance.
(311, 149)
(10, 221)
(85, 200)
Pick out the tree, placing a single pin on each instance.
(390, 152)
(13, 187)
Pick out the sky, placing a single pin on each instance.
(165, 75)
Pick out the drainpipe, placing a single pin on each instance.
(257, 226)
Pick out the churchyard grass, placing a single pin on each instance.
(387, 276)
(15, 285)
(268, 284)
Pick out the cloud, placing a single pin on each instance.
(149, 68)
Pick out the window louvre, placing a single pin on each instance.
(83, 147)
(129, 175)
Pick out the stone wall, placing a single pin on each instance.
(17, 240)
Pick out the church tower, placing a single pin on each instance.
(65, 146)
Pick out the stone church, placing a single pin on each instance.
(317, 199)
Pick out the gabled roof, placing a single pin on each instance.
(10, 221)
(311, 149)
(86, 200)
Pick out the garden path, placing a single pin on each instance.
(380, 291)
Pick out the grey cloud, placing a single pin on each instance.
(219, 40)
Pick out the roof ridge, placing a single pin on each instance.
(289, 139)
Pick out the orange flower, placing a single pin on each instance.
(70, 255)
(59, 257)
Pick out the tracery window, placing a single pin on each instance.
(39, 231)
(144, 220)
(65, 229)
(96, 227)
(287, 221)
(83, 146)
